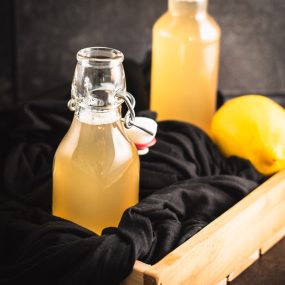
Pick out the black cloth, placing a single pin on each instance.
(185, 184)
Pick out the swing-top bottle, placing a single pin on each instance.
(96, 167)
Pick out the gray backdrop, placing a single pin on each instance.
(39, 40)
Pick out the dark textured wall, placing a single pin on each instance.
(6, 54)
(50, 32)
(253, 45)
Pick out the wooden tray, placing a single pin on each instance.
(227, 246)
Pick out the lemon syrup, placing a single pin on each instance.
(96, 167)
(185, 59)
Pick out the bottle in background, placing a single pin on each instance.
(185, 60)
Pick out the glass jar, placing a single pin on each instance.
(96, 167)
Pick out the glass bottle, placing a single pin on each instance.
(185, 59)
(96, 167)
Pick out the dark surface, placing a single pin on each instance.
(267, 270)
(48, 34)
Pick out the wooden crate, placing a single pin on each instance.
(227, 246)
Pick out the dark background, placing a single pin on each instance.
(39, 40)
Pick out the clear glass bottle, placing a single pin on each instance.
(185, 59)
(96, 167)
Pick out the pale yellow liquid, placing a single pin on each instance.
(185, 68)
(96, 175)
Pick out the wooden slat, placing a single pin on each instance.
(273, 240)
(218, 249)
(244, 265)
(223, 282)
(137, 275)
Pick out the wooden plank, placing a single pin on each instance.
(223, 282)
(218, 249)
(272, 241)
(244, 265)
(137, 275)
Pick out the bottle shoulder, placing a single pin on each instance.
(169, 26)
(162, 22)
(91, 141)
(214, 24)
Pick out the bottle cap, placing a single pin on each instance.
(142, 134)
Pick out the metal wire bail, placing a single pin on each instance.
(130, 102)
(72, 102)
(128, 98)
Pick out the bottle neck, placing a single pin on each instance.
(97, 116)
(189, 8)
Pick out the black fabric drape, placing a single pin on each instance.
(185, 184)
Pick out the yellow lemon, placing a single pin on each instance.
(252, 127)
